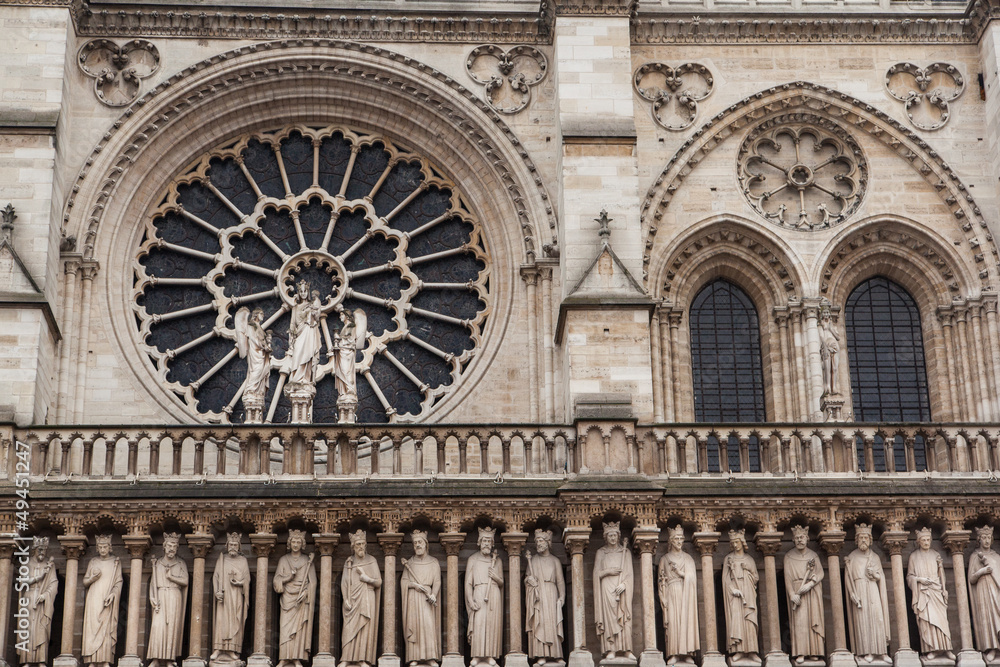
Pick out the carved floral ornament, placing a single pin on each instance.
(118, 70)
(366, 224)
(674, 92)
(802, 174)
(925, 92)
(508, 75)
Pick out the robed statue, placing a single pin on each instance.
(867, 599)
(254, 345)
(806, 620)
(484, 601)
(984, 587)
(103, 582)
(168, 584)
(295, 582)
(678, 586)
(614, 584)
(41, 596)
(360, 585)
(544, 597)
(925, 575)
(739, 594)
(420, 590)
(231, 582)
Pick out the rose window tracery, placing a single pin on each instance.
(366, 224)
(802, 176)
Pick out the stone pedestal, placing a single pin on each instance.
(906, 657)
(617, 661)
(650, 658)
(346, 409)
(325, 660)
(301, 396)
(454, 660)
(745, 662)
(386, 660)
(130, 661)
(254, 409)
(514, 660)
(713, 659)
(257, 660)
(579, 658)
(832, 406)
(842, 658)
(970, 658)
(66, 661)
(777, 659)
(194, 662)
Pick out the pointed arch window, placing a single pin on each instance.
(725, 355)
(885, 345)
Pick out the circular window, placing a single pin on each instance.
(364, 223)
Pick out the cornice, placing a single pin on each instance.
(355, 25)
(595, 7)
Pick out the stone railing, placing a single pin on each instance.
(517, 450)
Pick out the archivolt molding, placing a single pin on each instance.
(744, 243)
(814, 99)
(931, 259)
(251, 64)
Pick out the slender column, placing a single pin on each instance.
(201, 545)
(390, 543)
(675, 317)
(452, 543)
(137, 545)
(893, 541)
(326, 544)
(970, 361)
(787, 411)
(73, 547)
(647, 539)
(576, 540)
(799, 360)
(990, 306)
(814, 364)
(955, 541)
(530, 276)
(768, 543)
(514, 543)
(832, 541)
(262, 545)
(985, 373)
(7, 546)
(705, 543)
(88, 275)
(666, 355)
(964, 385)
(70, 267)
(944, 317)
(550, 380)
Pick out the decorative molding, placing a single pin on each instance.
(508, 75)
(257, 68)
(683, 87)
(118, 70)
(303, 22)
(783, 29)
(909, 84)
(594, 7)
(842, 109)
(788, 163)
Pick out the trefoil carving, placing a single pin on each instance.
(925, 92)
(674, 92)
(508, 75)
(118, 70)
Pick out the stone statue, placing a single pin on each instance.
(803, 574)
(231, 583)
(925, 575)
(984, 586)
(545, 594)
(739, 596)
(41, 595)
(867, 600)
(829, 351)
(103, 581)
(678, 587)
(348, 341)
(303, 336)
(295, 581)
(360, 586)
(168, 584)
(484, 601)
(613, 587)
(420, 590)
(254, 344)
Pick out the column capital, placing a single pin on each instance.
(514, 542)
(832, 541)
(7, 546)
(894, 541)
(200, 544)
(576, 540)
(326, 543)
(705, 542)
(137, 545)
(390, 543)
(646, 539)
(452, 542)
(955, 541)
(529, 274)
(262, 543)
(768, 544)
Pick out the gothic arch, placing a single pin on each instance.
(840, 109)
(273, 85)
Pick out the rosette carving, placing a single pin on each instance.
(925, 92)
(508, 75)
(674, 91)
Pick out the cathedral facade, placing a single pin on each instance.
(703, 293)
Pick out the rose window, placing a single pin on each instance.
(806, 177)
(366, 224)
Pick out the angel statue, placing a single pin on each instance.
(351, 337)
(254, 345)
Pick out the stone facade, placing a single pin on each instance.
(521, 202)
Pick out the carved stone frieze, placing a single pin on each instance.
(674, 92)
(802, 172)
(118, 70)
(508, 75)
(925, 92)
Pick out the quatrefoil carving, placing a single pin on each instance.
(118, 70)
(508, 75)
(925, 92)
(674, 91)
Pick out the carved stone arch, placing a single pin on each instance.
(842, 110)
